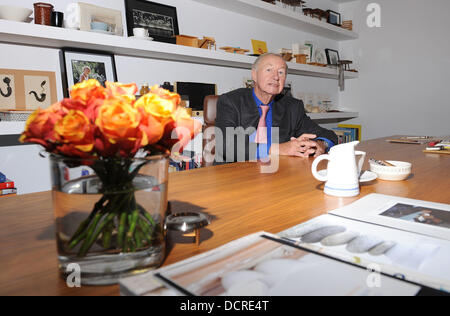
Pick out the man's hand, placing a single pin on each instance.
(302, 147)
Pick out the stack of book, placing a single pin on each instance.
(7, 188)
(348, 25)
(347, 133)
(187, 161)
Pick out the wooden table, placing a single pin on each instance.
(240, 198)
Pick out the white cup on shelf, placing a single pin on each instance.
(140, 32)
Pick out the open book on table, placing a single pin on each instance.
(378, 245)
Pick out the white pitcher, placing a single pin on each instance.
(342, 174)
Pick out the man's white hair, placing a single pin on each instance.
(261, 57)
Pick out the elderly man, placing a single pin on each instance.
(252, 115)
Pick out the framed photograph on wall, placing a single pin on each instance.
(332, 56)
(81, 65)
(334, 18)
(159, 19)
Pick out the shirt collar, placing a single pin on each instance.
(258, 101)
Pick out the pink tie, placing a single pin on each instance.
(261, 132)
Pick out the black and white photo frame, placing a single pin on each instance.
(332, 57)
(160, 20)
(80, 65)
(334, 18)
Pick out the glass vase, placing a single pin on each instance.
(109, 215)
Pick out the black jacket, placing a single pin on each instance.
(238, 109)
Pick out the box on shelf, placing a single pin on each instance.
(186, 40)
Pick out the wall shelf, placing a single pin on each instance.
(278, 15)
(11, 128)
(52, 37)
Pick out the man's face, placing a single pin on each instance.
(270, 76)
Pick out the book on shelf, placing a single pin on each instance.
(347, 133)
(8, 184)
(355, 129)
(187, 161)
(4, 192)
(378, 245)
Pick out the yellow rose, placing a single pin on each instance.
(159, 103)
(118, 120)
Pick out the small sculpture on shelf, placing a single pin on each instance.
(207, 43)
(235, 50)
(316, 13)
(346, 64)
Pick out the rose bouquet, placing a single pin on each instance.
(105, 128)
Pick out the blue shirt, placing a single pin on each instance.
(263, 149)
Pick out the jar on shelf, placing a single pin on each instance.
(144, 89)
(43, 13)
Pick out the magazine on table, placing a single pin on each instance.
(332, 254)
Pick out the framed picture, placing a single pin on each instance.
(27, 90)
(332, 56)
(159, 19)
(195, 92)
(99, 19)
(320, 56)
(80, 65)
(334, 18)
(312, 47)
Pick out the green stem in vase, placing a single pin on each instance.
(88, 242)
(82, 229)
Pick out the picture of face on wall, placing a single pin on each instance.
(85, 70)
(7, 93)
(82, 65)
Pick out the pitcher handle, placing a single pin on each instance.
(361, 160)
(314, 167)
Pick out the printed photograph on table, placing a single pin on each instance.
(419, 214)
(84, 65)
(160, 20)
(332, 56)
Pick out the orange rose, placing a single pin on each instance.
(159, 103)
(119, 123)
(152, 128)
(76, 130)
(127, 91)
(180, 131)
(39, 127)
(87, 90)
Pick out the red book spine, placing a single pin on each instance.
(7, 185)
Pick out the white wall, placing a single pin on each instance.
(404, 67)
(229, 29)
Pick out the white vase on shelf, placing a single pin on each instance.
(72, 20)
